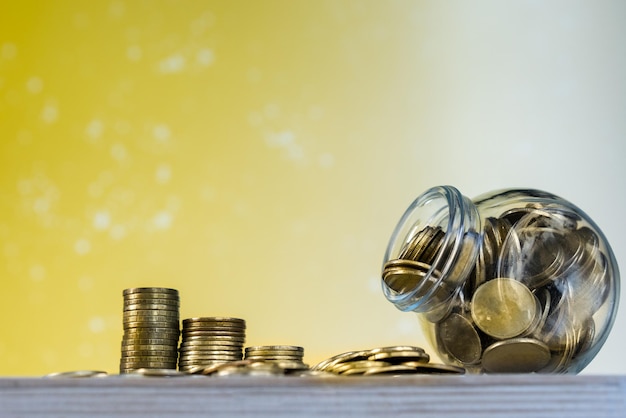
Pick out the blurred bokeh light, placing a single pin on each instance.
(257, 155)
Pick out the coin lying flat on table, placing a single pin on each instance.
(388, 361)
(79, 374)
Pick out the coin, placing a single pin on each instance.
(414, 283)
(518, 355)
(210, 343)
(147, 331)
(150, 341)
(357, 367)
(390, 360)
(159, 372)
(151, 298)
(274, 353)
(78, 374)
(219, 333)
(394, 370)
(434, 368)
(150, 305)
(142, 301)
(459, 338)
(168, 355)
(273, 348)
(150, 322)
(395, 357)
(331, 362)
(503, 308)
(415, 248)
(238, 340)
(395, 348)
(149, 290)
(199, 322)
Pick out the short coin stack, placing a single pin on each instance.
(151, 329)
(282, 354)
(394, 360)
(207, 341)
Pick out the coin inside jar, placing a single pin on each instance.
(503, 308)
(518, 355)
(459, 338)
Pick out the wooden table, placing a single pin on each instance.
(523, 396)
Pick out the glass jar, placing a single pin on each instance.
(513, 281)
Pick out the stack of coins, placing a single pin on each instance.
(207, 341)
(151, 329)
(394, 361)
(286, 355)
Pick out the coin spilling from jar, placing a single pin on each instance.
(528, 304)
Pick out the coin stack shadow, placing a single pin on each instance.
(207, 341)
(281, 354)
(151, 329)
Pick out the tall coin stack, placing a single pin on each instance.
(207, 341)
(151, 329)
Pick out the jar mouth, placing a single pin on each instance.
(442, 230)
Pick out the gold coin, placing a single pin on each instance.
(459, 339)
(151, 298)
(149, 290)
(209, 353)
(214, 338)
(396, 357)
(269, 354)
(209, 349)
(215, 321)
(417, 280)
(223, 357)
(132, 352)
(209, 343)
(168, 303)
(149, 313)
(360, 366)
(275, 348)
(331, 362)
(394, 348)
(148, 347)
(274, 352)
(127, 342)
(394, 370)
(433, 368)
(146, 338)
(214, 333)
(79, 374)
(518, 355)
(159, 372)
(503, 308)
(147, 324)
(150, 306)
(152, 332)
(273, 358)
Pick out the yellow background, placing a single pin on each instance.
(256, 155)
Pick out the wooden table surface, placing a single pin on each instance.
(523, 396)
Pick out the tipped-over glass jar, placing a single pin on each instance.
(513, 281)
